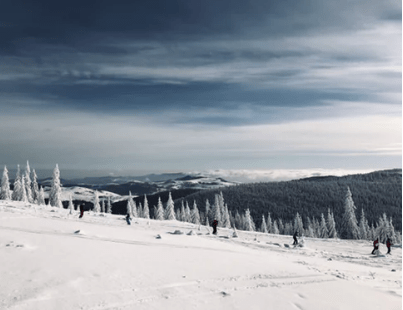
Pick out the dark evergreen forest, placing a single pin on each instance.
(377, 193)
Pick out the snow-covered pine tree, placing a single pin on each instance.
(298, 225)
(323, 227)
(269, 224)
(56, 190)
(129, 207)
(222, 209)
(208, 211)
(28, 183)
(216, 209)
(188, 215)
(288, 228)
(35, 186)
(363, 226)
(159, 215)
(392, 233)
(139, 209)
(16, 195)
(331, 225)
(349, 227)
(195, 214)
(5, 193)
(96, 207)
(249, 225)
(276, 231)
(24, 197)
(226, 218)
(383, 229)
(372, 232)
(263, 227)
(109, 206)
(133, 206)
(182, 212)
(170, 209)
(238, 223)
(178, 214)
(146, 209)
(71, 206)
(281, 226)
(41, 197)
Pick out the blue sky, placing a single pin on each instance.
(158, 86)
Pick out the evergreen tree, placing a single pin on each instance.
(276, 231)
(331, 225)
(363, 226)
(208, 211)
(182, 212)
(222, 209)
(188, 216)
(55, 190)
(28, 183)
(170, 209)
(5, 193)
(146, 210)
(216, 209)
(41, 197)
(71, 206)
(109, 206)
(298, 226)
(383, 230)
(195, 214)
(349, 228)
(263, 227)
(129, 207)
(249, 225)
(159, 215)
(24, 197)
(35, 186)
(392, 233)
(238, 220)
(281, 226)
(139, 209)
(269, 224)
(96, 207)
(133, 206)
(323, 227)
(17, 194)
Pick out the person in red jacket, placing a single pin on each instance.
(376, 246)
(388, 244)
(81, 211)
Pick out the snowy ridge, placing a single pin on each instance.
(99, 262)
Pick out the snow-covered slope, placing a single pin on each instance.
(50, 259)
(85, 194)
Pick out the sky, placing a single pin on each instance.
(158, 86)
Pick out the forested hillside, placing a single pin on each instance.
(376, 193)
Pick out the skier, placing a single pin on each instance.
(376, 246)
(215, 223)
(128, 219)
(295, 238)
(388, 244)
(81, 211)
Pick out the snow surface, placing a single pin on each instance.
(50, 259)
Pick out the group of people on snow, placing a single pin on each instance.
(376, 245)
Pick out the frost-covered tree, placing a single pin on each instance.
(56, 189)
(188, 214)
(208, 211)
(263, 227)
(276, 231)
(97, 206)
(17, 194)
(331, 225)
(170, 209)
(323, 227)
(383, 229)
(216, 209)
(35, 186)
(249, 225)
(225, 218)
(146, 209)
(159, 215)
(363, 226)
(132, 206)
(349, 225)
(109, 206)
(5, 193)
(269, 224)
(195, 214)
(41, 197)
(28, 183)
(71, 206)
(281, 226)
(24, 197)
(298, 225)
(128, 208)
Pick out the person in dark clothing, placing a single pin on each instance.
(128, 218)
(388, 244)
(376, 246)
(295, 238)
(81, 211)
(215, 224)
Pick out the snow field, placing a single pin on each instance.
(52, 260)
